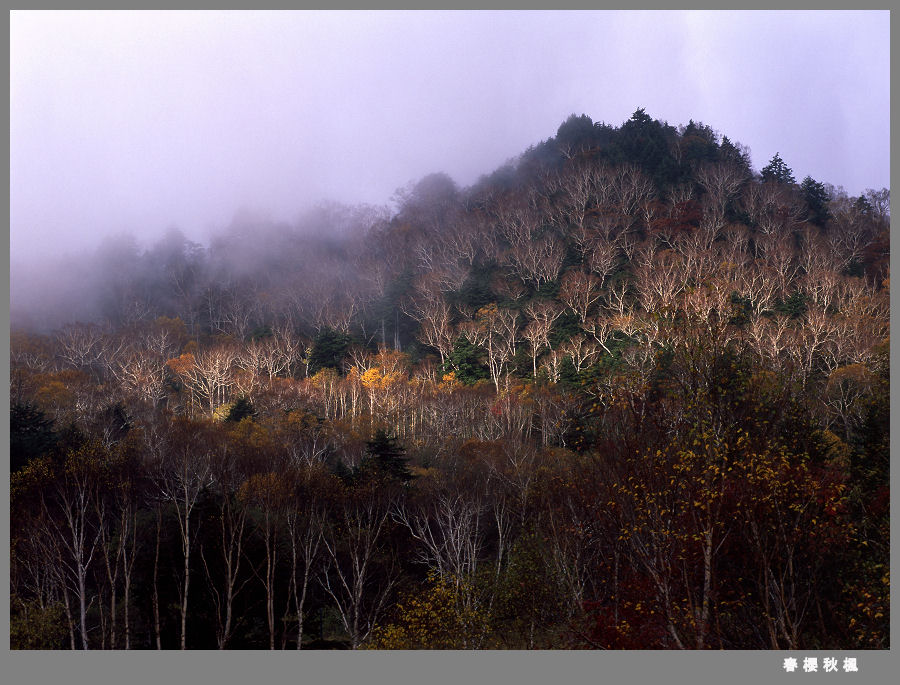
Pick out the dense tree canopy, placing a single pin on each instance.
(620, 393)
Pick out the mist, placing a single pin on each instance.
(128, 129)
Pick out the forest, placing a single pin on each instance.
(623, 392)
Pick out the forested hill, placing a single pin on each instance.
(582, 201)
(621, 392)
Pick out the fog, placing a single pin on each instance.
(139, 122)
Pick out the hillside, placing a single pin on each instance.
(623, 392)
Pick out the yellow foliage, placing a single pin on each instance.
(265, 490)
(221, 412)
(421, 472)
(54, 395)
(250, 436)
(182, 364)
(838, 452)
(371, 378)
(435, 618)
(30, 478)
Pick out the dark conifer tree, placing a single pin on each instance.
(817, 199)
(776, 170)
(385, 456)
(31, 434)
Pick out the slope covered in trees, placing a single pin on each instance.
(623, 392)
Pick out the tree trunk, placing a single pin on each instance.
(270, 581)
(82, 606)
(128, 567)
(186, 548)
(156, 579)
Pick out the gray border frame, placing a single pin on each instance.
(733, 667)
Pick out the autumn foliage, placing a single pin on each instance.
(622, 394)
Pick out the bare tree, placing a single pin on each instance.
(617, 298)
(553, 364)
(845, 395)
(496, 331)
(759, 285)
(811, 340)
(143, 374)
(78, 534)
(305, 521)
(541, 316)
(435, 322)
(735, 248)
(658, 280)
(770, 338)
(446, 525)
(81, 345)
(602, 258)
(581, 351)
(721, 181)
(208, 374)
(233, 307)
(536, 261)
(182, 466)
(578, 192)
(353, 577)
(850, 233)
(226, 478)
(275, 355)
(269, 495)
(780, 256)
(580, 291)
(633, 190)
(775, 208)
(679, 195)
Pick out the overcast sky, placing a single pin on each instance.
(132, 121)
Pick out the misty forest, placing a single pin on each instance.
(623, 392)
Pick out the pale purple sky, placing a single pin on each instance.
(128, 121)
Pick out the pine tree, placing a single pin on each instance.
(385, 456)
(776, 170)
(817, 199)
(241, 409)
(31, 434)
